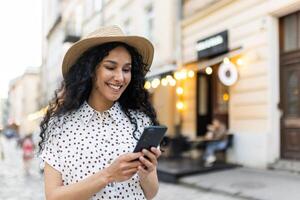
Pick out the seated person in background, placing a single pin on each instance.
(216, 131)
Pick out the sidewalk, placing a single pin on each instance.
(249, 183)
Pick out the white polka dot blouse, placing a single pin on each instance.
(86, 141)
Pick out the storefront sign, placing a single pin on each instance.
(213, 45)
(228, 73)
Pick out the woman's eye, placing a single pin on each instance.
(109, 67)
(126, 70)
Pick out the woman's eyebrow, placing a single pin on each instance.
(111, 61)
(115, 63)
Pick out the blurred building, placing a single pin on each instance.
(23, 100)
(257, 40)
(3, 113)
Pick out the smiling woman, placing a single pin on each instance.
(90, 129)
(112, 77)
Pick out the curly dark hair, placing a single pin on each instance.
(77, 84)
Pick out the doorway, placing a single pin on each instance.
(290, 86)
(212, 99)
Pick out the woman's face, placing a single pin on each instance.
(112, 76)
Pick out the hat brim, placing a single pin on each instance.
(142, 45)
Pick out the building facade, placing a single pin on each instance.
(261, 108)
(23, 97)
(3, 113)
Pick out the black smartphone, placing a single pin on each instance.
(151, 137)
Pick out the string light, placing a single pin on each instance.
(164, 82)
(177, 75)
(172, 82)
(191, 74)
(226, 60)
(179, 105)
(240, 62)
(147, 85)
(208, 70)
(179, 90)
(155, 83)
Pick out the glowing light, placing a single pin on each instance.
(172, 82)
(169, 77)
(164, 82)
(225, 97)
(177, 75)
(179, 105)
(191, 74)
(208, 70)
(240, 62)
(226, 60)
(183, 74)
(179, 90)
(155, 83)
(147, 85)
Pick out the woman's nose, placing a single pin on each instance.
(119, 76)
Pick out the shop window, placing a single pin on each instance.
(293, 97)
(290, 32)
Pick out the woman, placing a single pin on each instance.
(28, 152)
(93, 124)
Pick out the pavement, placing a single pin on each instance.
(249, 183)
(15, 184)
(234, 184)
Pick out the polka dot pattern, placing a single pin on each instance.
(86, 141)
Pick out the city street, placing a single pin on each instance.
(16, 185)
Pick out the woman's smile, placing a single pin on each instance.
(114, 87)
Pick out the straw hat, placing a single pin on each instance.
(104, 35)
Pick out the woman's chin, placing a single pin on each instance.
(113, 97)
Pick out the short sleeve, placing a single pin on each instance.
(51, 152)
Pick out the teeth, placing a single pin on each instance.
(116, 87)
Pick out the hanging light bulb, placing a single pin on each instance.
(172, 82)
(179, 105)
(208, 70)
(177, 75)
(147, 85)
(191, 73)
(240, 62)
(226, 60)
(225, 97)
(169, 77)
(179, 90)
(155, 83)
(164, 82)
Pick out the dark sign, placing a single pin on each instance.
(213, 45)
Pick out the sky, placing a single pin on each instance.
(20, 39)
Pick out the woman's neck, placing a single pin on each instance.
(99, 104)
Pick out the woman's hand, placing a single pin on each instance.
(124, 167)
(149, 164)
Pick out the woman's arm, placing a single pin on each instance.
(123, 168)
(148, 175)
(84, 189)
